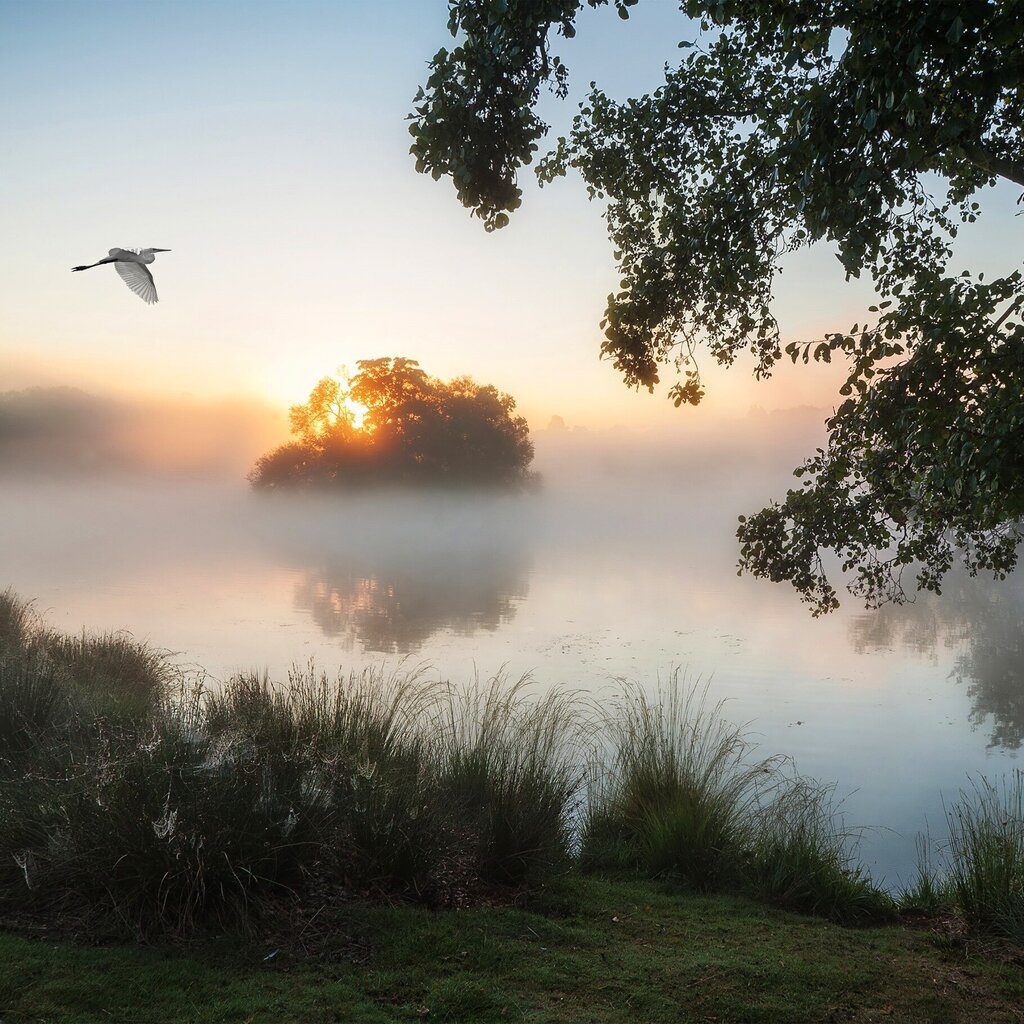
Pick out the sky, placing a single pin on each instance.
(265, 144)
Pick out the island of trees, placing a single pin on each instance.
(390, 423)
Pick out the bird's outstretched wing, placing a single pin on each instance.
(117, 252)
(139, 279)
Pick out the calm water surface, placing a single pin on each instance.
(581, 585)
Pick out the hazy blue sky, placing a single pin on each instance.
(265, 144)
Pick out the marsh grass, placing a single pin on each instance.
(31, 697)
(17, 619)
(675, 791)
(33, 700)
(149, 832)
(929, 893)
(986, 854)
(152, 804)
(356, 756)
(113, 673)
(803, 857)
(680, 793)
(51, 683)
(509, 767)
(141, 802)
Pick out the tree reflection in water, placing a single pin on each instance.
(985, 621)
(392, 599)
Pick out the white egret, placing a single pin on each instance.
(131, 265)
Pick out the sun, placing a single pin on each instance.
(359, 413)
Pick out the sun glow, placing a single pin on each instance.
(359, 412)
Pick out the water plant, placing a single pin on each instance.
(16, 621)
(509, 766)
(146, 804)
(680, 793)
(929, 892)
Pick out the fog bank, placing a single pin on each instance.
(67, 432)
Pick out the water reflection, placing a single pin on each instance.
(993, 669)
(983, 622)
(394, 606)
(387, 576)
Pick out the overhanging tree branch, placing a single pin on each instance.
(986, 160)
(762, 142)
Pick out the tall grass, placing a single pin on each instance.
(680, 794)
(158, 808)
(149, 830)
(929, 892)
(50, 679)
(509, 768)
(16, 622)
(350, 755)
(113, 673)
(144, 802)
(32, 700)
(986, 853)
(803, 857)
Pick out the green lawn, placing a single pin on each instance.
(624, 952)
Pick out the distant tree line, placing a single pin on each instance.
(391, 423)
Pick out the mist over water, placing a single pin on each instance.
(621, 566)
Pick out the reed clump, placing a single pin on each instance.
(680, 794)
(352, 765)
(929, 893)
(16, 622)
(803, 857)
(511, 769)
(52, 686)
(977, 874)
(986, 854)
(675, 792)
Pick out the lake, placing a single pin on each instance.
(614, 572)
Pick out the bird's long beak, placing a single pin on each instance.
(161, 250)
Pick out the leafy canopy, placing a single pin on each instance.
(871, 125)
(391, 423)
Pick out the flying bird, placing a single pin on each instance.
(131, 266)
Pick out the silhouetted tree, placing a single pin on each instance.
(391, 423)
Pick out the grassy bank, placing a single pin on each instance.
(136, 804)
(602, 952)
